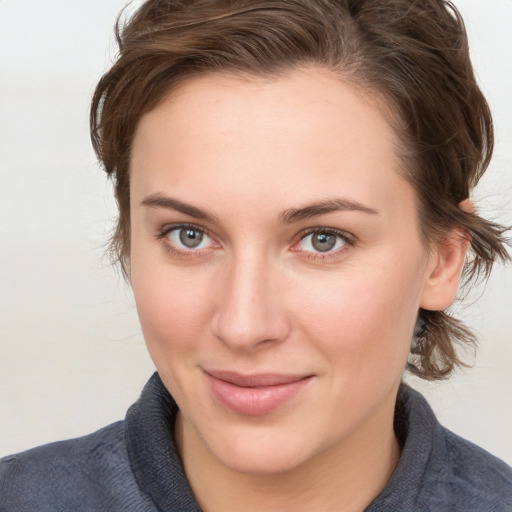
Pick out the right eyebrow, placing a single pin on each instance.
(169, 203)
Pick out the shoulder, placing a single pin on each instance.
(457, 475)
(463, 471)
(84, 474)
(438, 470)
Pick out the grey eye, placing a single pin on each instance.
(323, 242)
(191, 238)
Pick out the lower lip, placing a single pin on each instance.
(255, 401)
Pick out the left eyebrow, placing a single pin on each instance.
(323, 207)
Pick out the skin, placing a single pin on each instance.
(257, 297)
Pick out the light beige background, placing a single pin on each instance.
(72, 358)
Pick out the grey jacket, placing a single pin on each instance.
(133, 466)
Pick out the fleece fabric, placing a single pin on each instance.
(133, 466)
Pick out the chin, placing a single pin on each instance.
(263, 463)
(260, 453)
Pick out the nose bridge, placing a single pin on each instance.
(248, 311)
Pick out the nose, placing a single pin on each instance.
(249, 311)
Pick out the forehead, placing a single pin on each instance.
(301, 136)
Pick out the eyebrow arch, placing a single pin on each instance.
(289, 216)
(323, 207)
(168, 203)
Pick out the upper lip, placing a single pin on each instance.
(259, 380)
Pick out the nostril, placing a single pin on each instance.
(248, 332)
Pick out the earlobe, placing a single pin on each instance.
(444, 271)
(467, 206)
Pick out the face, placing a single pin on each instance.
(276, 263)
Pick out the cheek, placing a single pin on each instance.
(363, 318)
(173, 308)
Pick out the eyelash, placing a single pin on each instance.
(163, 237)
(348, 241)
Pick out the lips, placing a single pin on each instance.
(255, 395)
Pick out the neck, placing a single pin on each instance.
(347, 477)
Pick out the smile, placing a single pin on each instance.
(255, 395)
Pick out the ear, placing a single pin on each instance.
(445, 267)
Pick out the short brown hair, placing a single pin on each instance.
(412, 52)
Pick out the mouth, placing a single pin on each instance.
(255, 395)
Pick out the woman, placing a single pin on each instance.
(293, 181)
